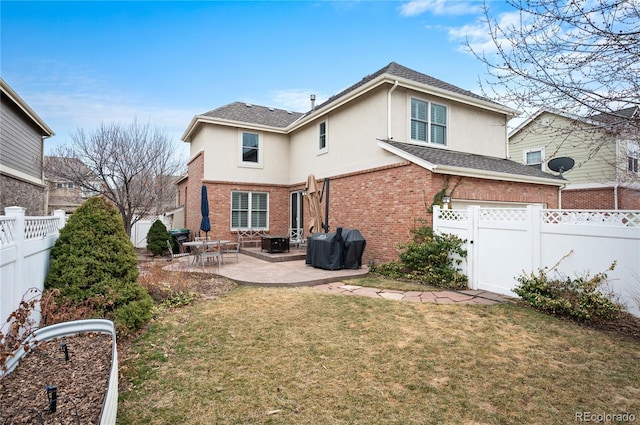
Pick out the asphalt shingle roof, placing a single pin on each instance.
(254, 114)
(403, 72)
(450, 158)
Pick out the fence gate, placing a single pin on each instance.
(505, 243)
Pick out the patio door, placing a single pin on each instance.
(296, 223)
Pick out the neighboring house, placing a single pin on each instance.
(64, 194)
(604, 149)
(390, 145)
(22, 134)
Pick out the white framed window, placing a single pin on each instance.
(249, 210)
(633, 152)
(322, 136)
(250, 146)
(534, 158)
(428, 122)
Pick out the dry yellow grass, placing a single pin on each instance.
(300, 356)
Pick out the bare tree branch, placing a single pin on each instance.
(130, 165)
(581, 57)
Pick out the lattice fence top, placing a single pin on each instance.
(6, 230)
(39, 227)
(593, 217)
(604, 218)
(503, 214)
(454, 215)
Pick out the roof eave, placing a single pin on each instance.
(494, 175)
(202, 119)
(468, 172)
(407, 83)
(8, 91)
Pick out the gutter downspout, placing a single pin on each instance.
(395, 85)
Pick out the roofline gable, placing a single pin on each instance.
(390, 74)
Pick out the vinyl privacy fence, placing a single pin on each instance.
(25, 243)
(504, 243)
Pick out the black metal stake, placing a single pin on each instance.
(52, 396)
(65, 350)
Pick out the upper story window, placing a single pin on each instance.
(428, 122)
(534, 158)
(250, 149)
(59, 185)
(69, 185)
(249, 210)
(633, 152)
(322, 136)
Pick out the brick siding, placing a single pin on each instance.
(19, 193)
(383, 203)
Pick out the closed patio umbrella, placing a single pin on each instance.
(205, 224)
(313, 196)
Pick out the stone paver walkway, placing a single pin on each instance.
(440, 297)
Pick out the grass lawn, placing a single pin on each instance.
(301, 356)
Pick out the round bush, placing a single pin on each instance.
(157, 238)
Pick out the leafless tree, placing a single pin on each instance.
(130, 165)
(579, 56)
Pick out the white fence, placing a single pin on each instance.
(25, 243)
(504, 243)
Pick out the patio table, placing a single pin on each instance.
(198, 246)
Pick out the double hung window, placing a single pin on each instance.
(534, 158)
(428, 122)
(633, 152)
(250, 149)
(322, 136)
(249, 210)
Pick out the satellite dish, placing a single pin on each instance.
(562, 164)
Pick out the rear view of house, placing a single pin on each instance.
(22, 134)
(385, 149)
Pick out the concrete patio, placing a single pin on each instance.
(253, 267)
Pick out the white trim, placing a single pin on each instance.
(543, 165)
(326, 136)
(429, 123)
(249, 164)
(15, 98)
(249, 200)
(20, 175)
(469, 172)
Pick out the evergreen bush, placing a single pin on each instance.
(157, 238)
(430, 258)
(93, 263)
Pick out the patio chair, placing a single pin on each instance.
(175, 256)
(206, 255)
(231, 248)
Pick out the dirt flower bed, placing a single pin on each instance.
(80, 382)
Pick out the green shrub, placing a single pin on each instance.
(579, 299)
(93, 263)
(157, 238)
(429, 258)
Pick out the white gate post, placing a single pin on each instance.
(534, 218)
(62, 218)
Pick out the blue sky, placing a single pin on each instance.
(81, 63)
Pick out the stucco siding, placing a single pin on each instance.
(469, 129)
(352, 133)
(223, 159)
